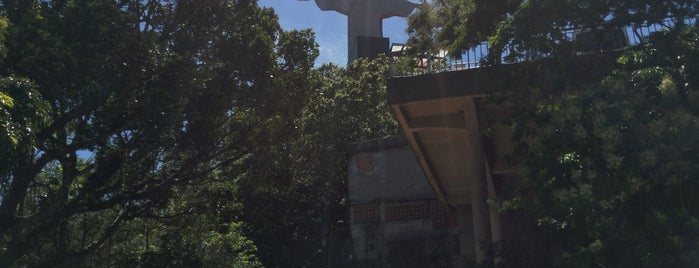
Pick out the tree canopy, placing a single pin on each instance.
(531, 29)
(118, 110)
(608, 159)
(172, 133)
(303, 170)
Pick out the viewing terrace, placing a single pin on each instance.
(439, 105)
(585, 41)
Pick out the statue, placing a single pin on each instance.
(365, 17)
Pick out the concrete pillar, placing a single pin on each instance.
(495, 220)
(477, 178)
(481, 219)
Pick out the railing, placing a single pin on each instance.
(475, 57)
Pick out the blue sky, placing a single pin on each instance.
(330, 27)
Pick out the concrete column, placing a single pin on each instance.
(495, 221)
(481, 219)
(477, 178)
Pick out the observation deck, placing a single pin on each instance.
(439, 105)
(583, 40)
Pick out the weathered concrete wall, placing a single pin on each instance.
(385, 170)
(395, 218)
(406, 234)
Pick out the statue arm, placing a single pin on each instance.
(399, 8)
(341, 6)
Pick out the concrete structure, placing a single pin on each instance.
(445, 134)
(395, 218)
(365, 22)
(442, 116)
(422, 200)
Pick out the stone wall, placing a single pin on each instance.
(386, 170)
(395, 220)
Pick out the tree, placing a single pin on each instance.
(125, 125)
(295, 190)
(173, 133)
(608, 158)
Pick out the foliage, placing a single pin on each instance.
(607, 149)
(219, 249)
(619, 160)
(173, 133)
(296, 189)
(520, 29)
(348, 107)
(126, 125)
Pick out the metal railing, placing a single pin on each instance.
(475, 57)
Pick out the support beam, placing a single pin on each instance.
(476, 176)
(419, 151)
(495, 220)
(447, 122)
